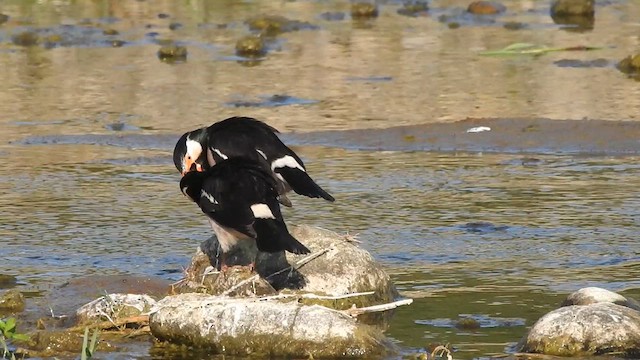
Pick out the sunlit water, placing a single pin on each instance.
(501, 238)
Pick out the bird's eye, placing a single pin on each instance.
(189, 157)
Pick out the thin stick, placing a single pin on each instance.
(295, 266)
(300, 263)
(354, 311)
(314, 296)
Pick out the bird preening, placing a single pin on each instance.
(238, 171)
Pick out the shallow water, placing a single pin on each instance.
(499, 228)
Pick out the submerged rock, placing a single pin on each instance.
(264, 328)
(630, 65)
(414, 8)
(590, 323)
(338, 267)
(172, 53)
(486, 8)
(578, 13)
(45, 344)
(272, 25)
(12, 301)
(363, 10)
(7, 281)
(26, 38)
(573, 8)
(250, 46)
(3, 18)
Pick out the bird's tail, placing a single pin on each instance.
(302, 183)
(273, 236)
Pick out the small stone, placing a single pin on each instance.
(250, 46)
(514, 25)
(175, 26)
(332, 16)
(467, 324)
(573, 8)
(7, 281)
(414, 8)
(163, 16)
(486, 8)
(12, 301)
(363, 10)
(26, 38)
(630, 64)
(172, 53)
(109, 32)
(453, 25)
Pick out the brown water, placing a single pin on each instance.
(87, 131)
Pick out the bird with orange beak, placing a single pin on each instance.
(245, 137)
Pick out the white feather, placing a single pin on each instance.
(225, 157)
(262, 153)
(262, 211)
(208, 196)
(286, 161)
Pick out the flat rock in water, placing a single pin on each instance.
(237, 326)
(585, 330)
(113, 307)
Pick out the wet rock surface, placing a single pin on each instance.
(414, 8)
(591, 321)
(272, 25)
(264, 328)
(339, 267)
(11, 301)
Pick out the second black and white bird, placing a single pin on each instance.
(249, 138)
(239, 197)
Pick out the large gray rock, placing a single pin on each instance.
(590, 323)
(341, 268)
(237, 326)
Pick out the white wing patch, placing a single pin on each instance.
(286, 161)
(262, 211)
(262, 153)
(204, 194)
(223, 156)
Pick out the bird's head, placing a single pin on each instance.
(189, 153)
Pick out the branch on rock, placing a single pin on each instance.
(355, 311)
(314, 296)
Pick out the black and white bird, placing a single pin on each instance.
(252, 139)
(239, 197)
